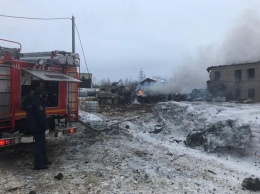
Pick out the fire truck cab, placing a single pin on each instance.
(21, 74)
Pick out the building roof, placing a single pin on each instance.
(147, 80)
(248, 63)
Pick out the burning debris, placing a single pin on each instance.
(152, 91)
(143, 97)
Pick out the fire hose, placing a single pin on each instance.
(107, 127)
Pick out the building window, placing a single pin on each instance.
(238, 75)
(251, 93)
(251, 73)
(238, 93)
(217, 75)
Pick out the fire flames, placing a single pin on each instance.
(140, 92)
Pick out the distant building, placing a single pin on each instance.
(147, 81)
(86, 79)
(235, 81)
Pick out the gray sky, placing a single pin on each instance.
(168, 38)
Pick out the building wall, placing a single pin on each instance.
(227, 78)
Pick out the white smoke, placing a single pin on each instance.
(240, 45)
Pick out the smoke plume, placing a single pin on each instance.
(240, 45)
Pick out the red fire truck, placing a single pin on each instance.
(20, 74)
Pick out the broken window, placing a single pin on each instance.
(217, 75)
(238, 93)
(238, 74)
(251, 73)
(251, 92)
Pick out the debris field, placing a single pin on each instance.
(144, 152)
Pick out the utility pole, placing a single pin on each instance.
(141, 75)
(73, 34)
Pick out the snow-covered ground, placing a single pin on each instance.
(143, 155)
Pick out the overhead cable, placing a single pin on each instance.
(83, 53)
(82, 48)
(32, 18)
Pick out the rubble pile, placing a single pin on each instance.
(220, 134)
(251, 184)
(254, 141)
(212, 125)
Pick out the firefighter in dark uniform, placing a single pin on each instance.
(37, 124)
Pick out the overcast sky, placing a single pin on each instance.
(168, 38)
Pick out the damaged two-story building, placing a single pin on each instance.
(235, 81)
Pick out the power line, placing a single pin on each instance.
(66, 18)
(32, 18)
(83, 51)
(82, 48)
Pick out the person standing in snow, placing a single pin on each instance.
(37, 124)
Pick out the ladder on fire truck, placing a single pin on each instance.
(5, 93)
(73, 98)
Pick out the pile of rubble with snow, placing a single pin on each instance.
(213, 125)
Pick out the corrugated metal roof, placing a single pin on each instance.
(51, 76)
